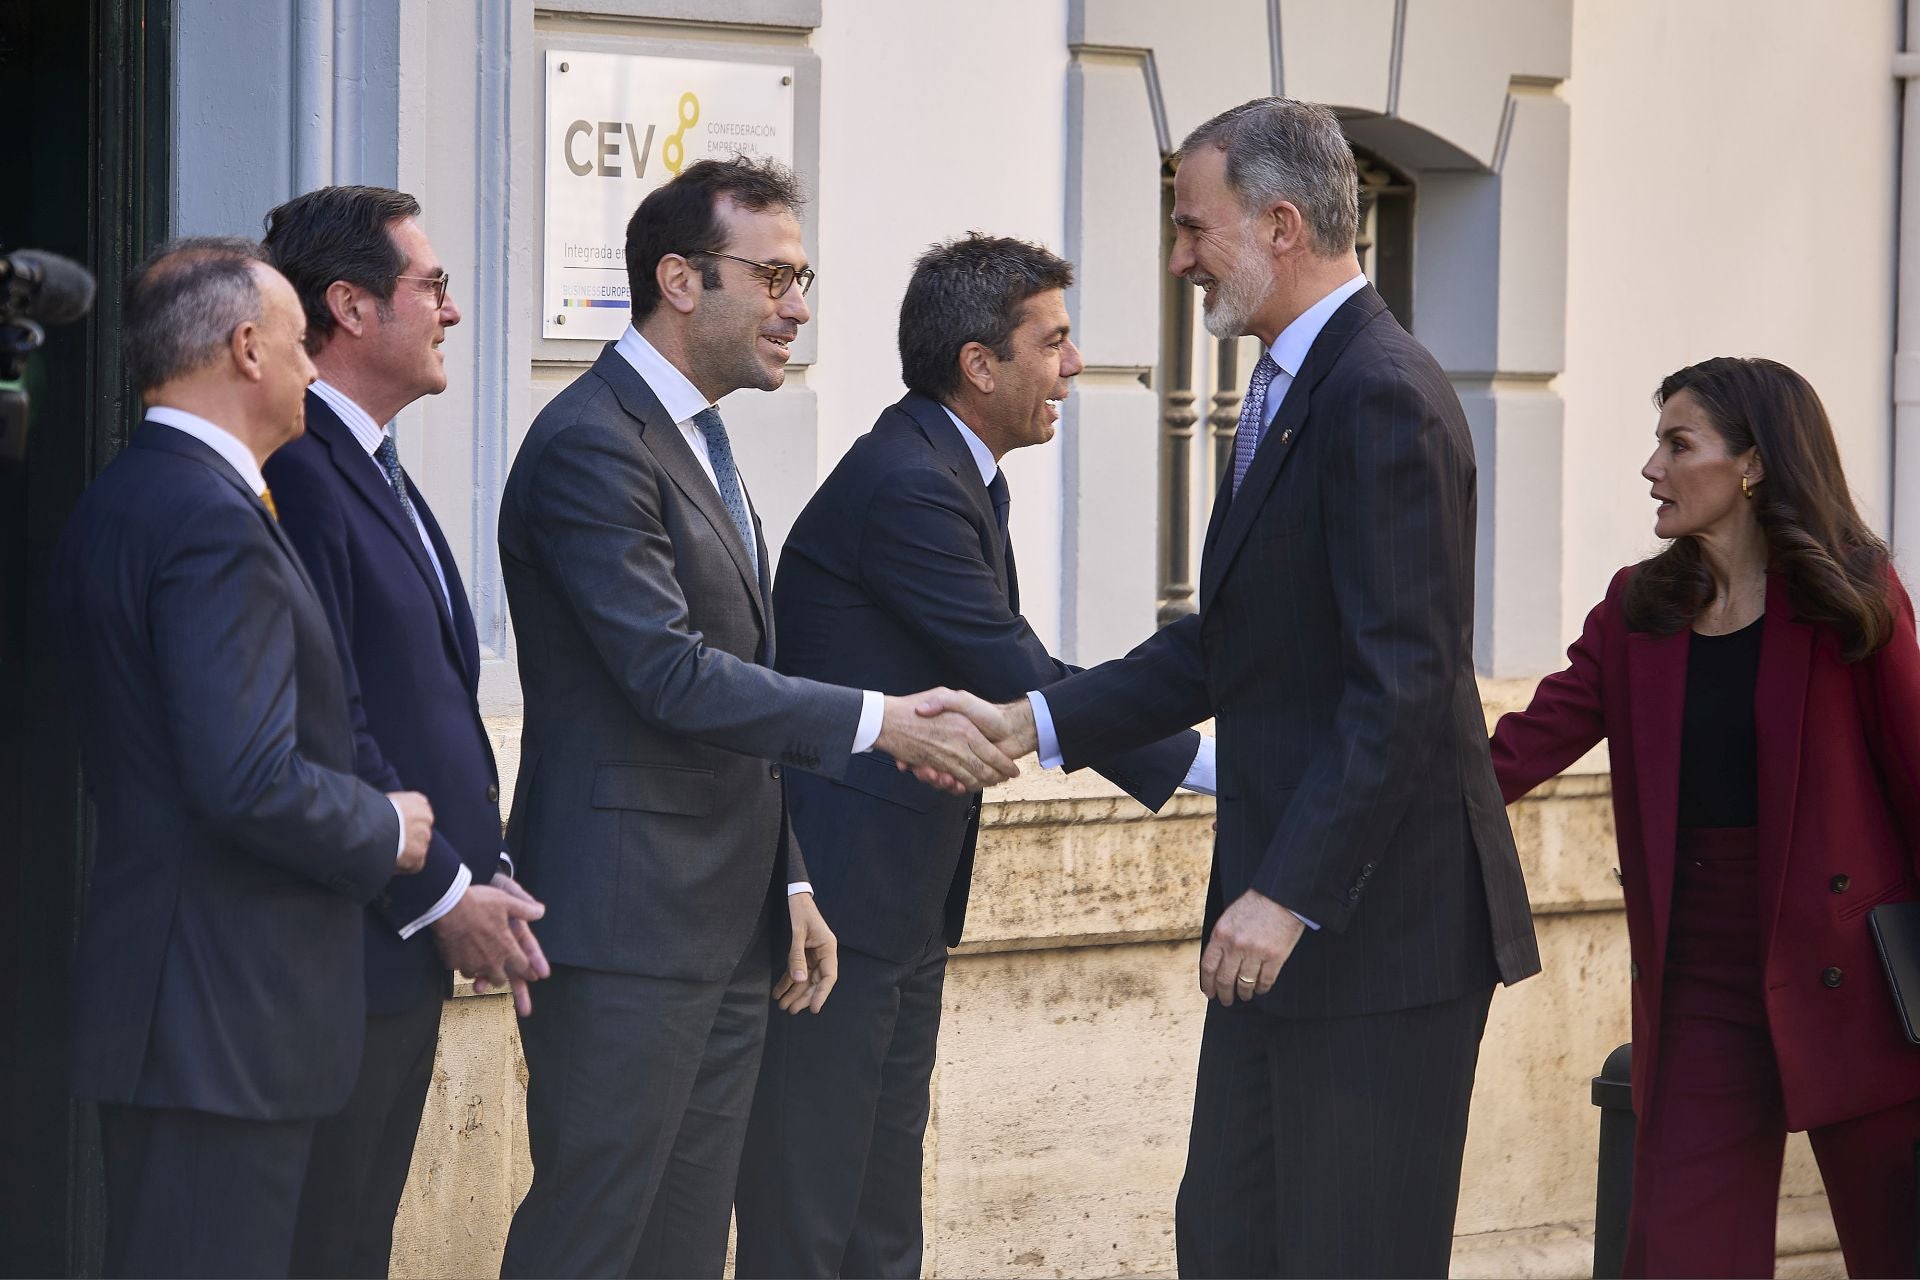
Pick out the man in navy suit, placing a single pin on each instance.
(217, 981)
(378, 307)
(1366, 896)
(900, 573)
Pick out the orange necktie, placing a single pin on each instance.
(266, 496)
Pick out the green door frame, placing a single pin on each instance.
(85, 91)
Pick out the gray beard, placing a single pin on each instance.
(1236, 296)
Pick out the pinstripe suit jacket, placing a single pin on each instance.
(1334, 648)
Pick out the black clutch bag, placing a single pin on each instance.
(1896, 933)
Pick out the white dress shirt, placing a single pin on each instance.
(1288, 351)
(682, 401)
(368, 434)
(238, 456)
(1200, 773)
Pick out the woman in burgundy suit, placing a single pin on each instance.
(1758, 685)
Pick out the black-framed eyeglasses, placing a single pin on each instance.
(439, 283)
(780, 276)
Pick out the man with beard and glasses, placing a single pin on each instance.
(900, 571)
(650, 814)
(1366, 896)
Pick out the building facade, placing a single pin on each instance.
(1564, 201)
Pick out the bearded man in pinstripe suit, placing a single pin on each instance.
(1366, 896)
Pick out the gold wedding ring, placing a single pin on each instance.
(1248, 981)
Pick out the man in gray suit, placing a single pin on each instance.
(650, 815)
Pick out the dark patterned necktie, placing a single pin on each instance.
(1002, 506)
(727, 476)
(388, 456)
(1253, 417)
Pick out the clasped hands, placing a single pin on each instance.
(955, 741)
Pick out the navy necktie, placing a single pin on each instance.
(727, 476)
(1253, 417)
(388, 456)
(1002, 504)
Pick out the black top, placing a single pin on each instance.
(1719, 772)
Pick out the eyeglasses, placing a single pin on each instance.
(780, 276)
(439, 283)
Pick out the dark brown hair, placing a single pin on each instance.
(339, 233)
(682, 217)
(1835, 566)
(974, 289)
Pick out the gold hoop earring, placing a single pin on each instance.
(1746, 490)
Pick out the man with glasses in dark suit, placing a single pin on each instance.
(378, 308)
(650, 813)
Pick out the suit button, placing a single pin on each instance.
(1633, 970)
(493, 793)
(1839, 883)
(773, 771)
(1832, 977)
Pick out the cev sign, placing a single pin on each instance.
(619, 125)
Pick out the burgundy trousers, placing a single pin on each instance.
(1706, 1172)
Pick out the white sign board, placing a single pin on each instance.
(619, 125)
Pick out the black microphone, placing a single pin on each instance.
(44, 287)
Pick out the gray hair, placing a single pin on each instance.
(973, 289)
(1281, 149)
(184, 303)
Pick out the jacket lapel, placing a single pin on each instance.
(362, 475)
(944, 439)
(159, 436)
(466, 640)
(1226, 533)
(1657, 694)
(662, 436)
(1780, 704)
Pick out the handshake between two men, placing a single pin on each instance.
(956, 741)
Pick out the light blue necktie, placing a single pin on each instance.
(726, 476)
(1253, 417)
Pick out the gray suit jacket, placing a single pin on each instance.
(649, 814)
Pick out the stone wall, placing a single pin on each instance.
(1072, 1025)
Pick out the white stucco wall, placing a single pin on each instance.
(915, 149)
(1732, 193)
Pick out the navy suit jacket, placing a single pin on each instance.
(896, 577)
(1334, 649)
(218, 965)
(412, 667)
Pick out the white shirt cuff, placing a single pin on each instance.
(461, 879)
(400, 848)
(1049, 752)
(799, 886)
(873, 707)
(1303, 920)
(508, 859)
(1200, 776)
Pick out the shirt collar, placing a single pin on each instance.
(982, 456)
(368, 432)
(217, 438)
(676, 393)
(1290, 349)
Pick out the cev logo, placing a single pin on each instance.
(603, 156)
(673, 153)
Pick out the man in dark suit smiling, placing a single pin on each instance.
(900, 572)
(1366, 896)
(378, 306)
(219, 1009)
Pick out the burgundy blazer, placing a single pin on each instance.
(1839, 824)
